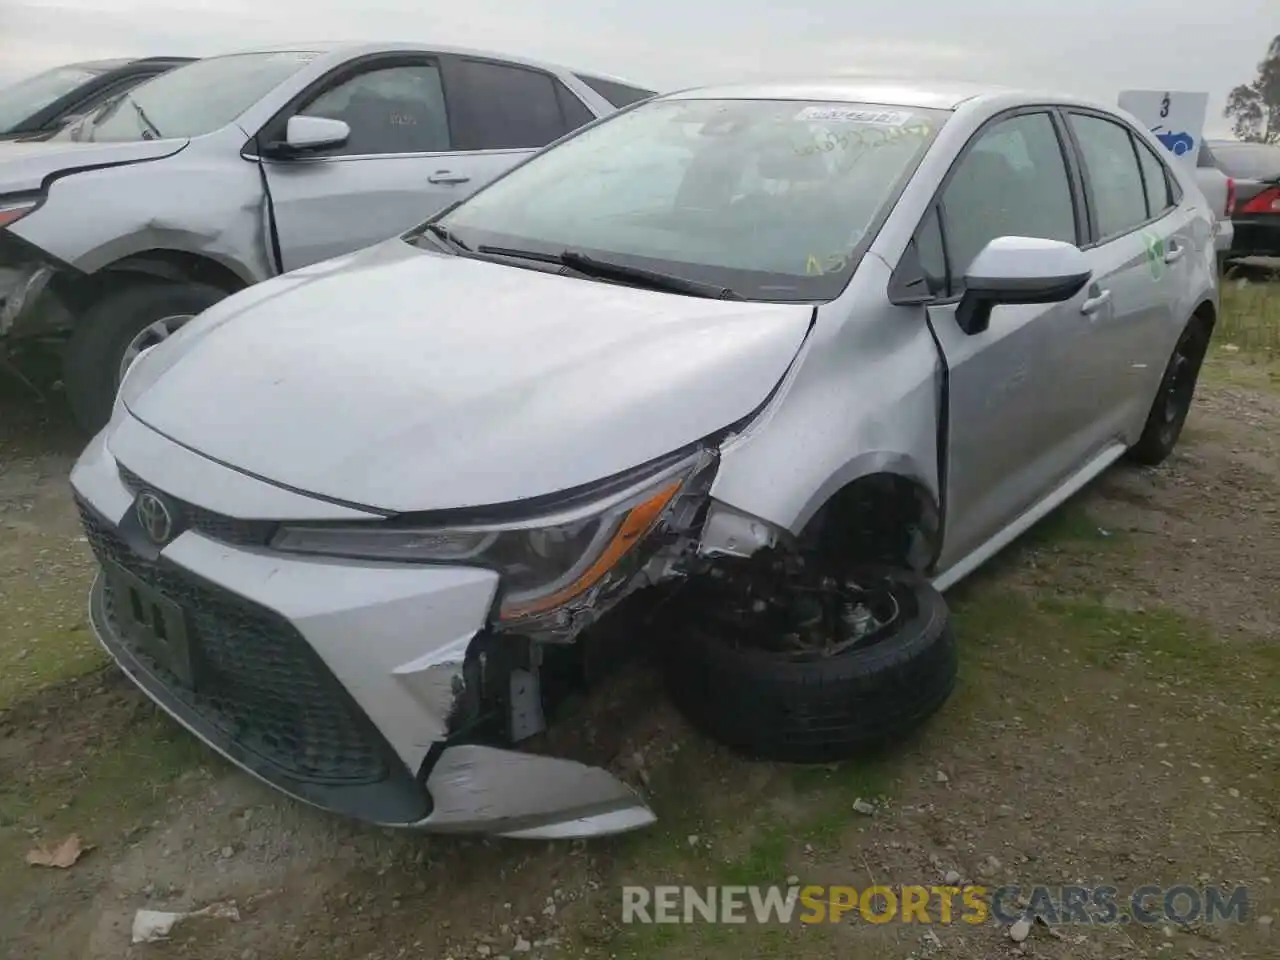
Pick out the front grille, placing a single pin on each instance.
(216, 526)
(260, 685)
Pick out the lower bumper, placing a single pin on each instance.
(471, 788)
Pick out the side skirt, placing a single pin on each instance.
(1059, 495)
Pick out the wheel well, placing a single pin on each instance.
(174, 266)
(878, 518)
(1206, 314)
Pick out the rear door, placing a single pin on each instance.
(1140, 245)
(1012, 438)
(426, 130)
(503, 112)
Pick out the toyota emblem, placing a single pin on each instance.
(154, 517)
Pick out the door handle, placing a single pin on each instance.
(1094, 304)
(445, 176)
(1174, 253)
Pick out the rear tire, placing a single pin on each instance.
(105, 332)
(1173, 399)
(771, 707)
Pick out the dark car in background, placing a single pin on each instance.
(40, 106)
(1254, 185)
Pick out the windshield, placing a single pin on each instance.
(1248, 161)
(190, 101)
(26, 97)
(772, 199)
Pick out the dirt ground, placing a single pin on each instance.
(1116, 722)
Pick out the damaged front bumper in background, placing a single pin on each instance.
(20, 289)
(351, 685)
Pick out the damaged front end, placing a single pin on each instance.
(30, 309)
(493, 689)
(493, 684)
(404, 694)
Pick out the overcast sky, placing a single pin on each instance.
(1089, 47)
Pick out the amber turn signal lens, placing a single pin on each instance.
(638, 522)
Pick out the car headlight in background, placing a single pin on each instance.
(543, 562)
(13, 209)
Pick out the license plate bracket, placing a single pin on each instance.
(153, 622)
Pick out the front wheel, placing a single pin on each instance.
(1169, 410)
(804, 667)
(114, 331)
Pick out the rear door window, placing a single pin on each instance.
(1112, 169)
(575, 111)
(497, 106)
(1155, 180)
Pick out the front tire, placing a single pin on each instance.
(114, 329)
(770, 704)
(1173, 399)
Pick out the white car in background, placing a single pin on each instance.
(233, 169)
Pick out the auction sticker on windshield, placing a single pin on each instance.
(889, 118)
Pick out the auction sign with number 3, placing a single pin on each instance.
(1176, 117)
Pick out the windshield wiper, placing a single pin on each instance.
(520, 254)
(606, 269)
(145, 120)
(640, 276)
(447, 235)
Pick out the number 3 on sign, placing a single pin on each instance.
(1164, 107)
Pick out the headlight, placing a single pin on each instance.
(543, 562)
(12, 210)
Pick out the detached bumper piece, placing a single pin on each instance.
(244, 680)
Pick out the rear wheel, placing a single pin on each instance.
(806, 668)
(1172, 403)
(114, 331)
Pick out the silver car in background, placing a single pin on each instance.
(811, 352)
(237, 168)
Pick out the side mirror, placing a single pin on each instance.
(313, 133)
(1016, 270)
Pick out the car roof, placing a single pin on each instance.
(348, 49)
(100, 66)
(118, 63)
(891, 91)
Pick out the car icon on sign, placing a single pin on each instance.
(1176, 143)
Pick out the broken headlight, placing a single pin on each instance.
(543, 562)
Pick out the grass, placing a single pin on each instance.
(1246, 350)
(34, 660)
(1146, 654)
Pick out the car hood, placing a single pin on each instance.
(404, 380)
(24, 165)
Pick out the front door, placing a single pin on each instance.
(1010, 437)
(425, 131)
(397, 168)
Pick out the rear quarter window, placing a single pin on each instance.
(618, 94)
